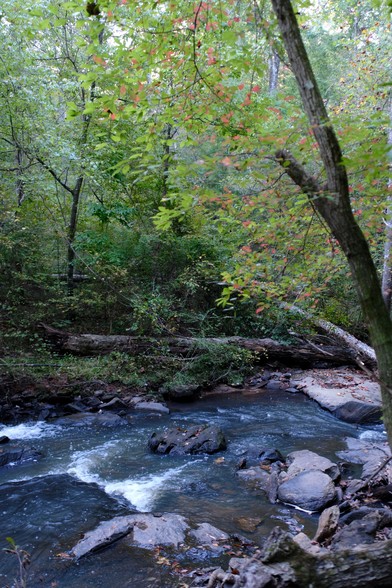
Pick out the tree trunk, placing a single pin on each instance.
(359, 348)
(332, 202)
(387, 268)
(71, 235)
(273, 72)
(267, 350)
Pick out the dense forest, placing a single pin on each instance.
(184, 180)
(141, 189)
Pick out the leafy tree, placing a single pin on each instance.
(201, 68)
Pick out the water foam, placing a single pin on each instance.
(142, 493)
(34, 430)
(85, 463)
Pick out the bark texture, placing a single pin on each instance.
(387, 267)
(332, 202)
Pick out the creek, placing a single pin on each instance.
(89, 474)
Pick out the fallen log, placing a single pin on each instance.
(283, 564)
(301, 354)
(359, 347)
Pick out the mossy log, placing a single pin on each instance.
(266, 350)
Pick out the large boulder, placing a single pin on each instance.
(358, 412)
(311, 490)
(301, 461)
(195, 440)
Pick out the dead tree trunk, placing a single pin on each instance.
(266, 350)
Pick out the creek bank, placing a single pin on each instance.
(347, 393)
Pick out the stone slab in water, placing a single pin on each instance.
(143, 530)
(207, 534)
(102, 419)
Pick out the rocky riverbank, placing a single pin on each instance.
(346, 392)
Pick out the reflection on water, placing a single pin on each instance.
(50, 516)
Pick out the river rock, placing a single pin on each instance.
(270, 455)
(152, 406)
(328, 523)
(18, 454)
(300, 461)
(255, 476)
(311, 490)
(195, 440)
(206, 534)
(145, 530)
(183, 393)
(358, 532)
(114, 404)
(150, 530)
(307, 545)
(370, 455)
(362, 413)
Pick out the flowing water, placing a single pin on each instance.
(89, 474)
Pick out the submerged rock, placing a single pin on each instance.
(256, 476)
(102, 419)
(195, 440)
(18, 454)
